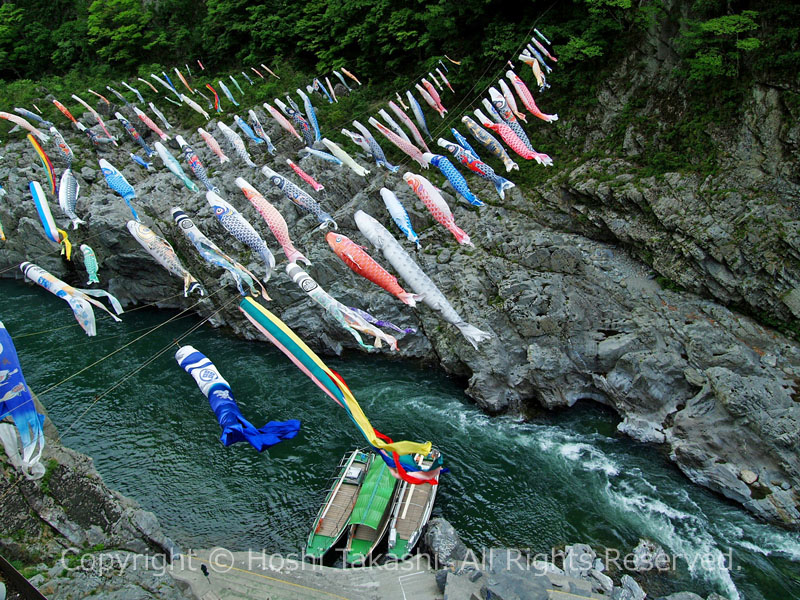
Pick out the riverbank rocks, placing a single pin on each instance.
(442, 543)
(69, 518)
(579, 560)
(507, 573)
(119, 575)
(629, 590)
(648, 555)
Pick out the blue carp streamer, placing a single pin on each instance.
(235, 428)
(16, 400)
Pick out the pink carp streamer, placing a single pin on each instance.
(436, 205)
(212, 143)
(513, 141)
(407, 147)
(274, 219)
(428, 99)
(409, 124)
(150, 124)
(282, 121)
(527, 98)
(97, 116)
(446, 82)
(435, 95)
(268, 70)
(543, 50)
(305, 176)
(25, 125)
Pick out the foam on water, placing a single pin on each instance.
(684, 535)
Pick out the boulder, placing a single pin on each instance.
(442, 543)
(648, 556)
(579, 560)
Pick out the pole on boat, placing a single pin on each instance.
(411, 491)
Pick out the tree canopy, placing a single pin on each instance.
(380, 38)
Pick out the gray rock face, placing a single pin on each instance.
(462, 587)
(115, 575)
(508, 586)
(648, 556)
(442, 543)
(630, 590)
(604, 585)
(57, 519)
(579, 560)
(573, 315)
(73, 503)
(684, 596)
(508, 573)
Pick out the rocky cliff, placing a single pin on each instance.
(63, 528)
(565, 276)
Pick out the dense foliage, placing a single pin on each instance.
(719, 46)
(380, 38)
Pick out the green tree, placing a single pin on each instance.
(225, 31)
(117, 30)
(715, 47)
(173, 31)
(70, 50)
(11, 28)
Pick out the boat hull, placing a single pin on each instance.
(334, 517)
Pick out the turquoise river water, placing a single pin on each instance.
(557, 479)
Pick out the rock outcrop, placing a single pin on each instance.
(507, 573)
(66, 527)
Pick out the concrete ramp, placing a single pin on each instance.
(253, 575)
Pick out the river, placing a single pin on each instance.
(559, 478)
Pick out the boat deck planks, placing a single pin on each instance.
(414, 515)
(340, 510)
(365, 533)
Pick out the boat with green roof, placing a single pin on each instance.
(370, 517)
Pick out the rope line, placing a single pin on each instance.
(101, 319)
(125, 377)
(120, 349)
(82, 241)
(141, 366)
(182, 314)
